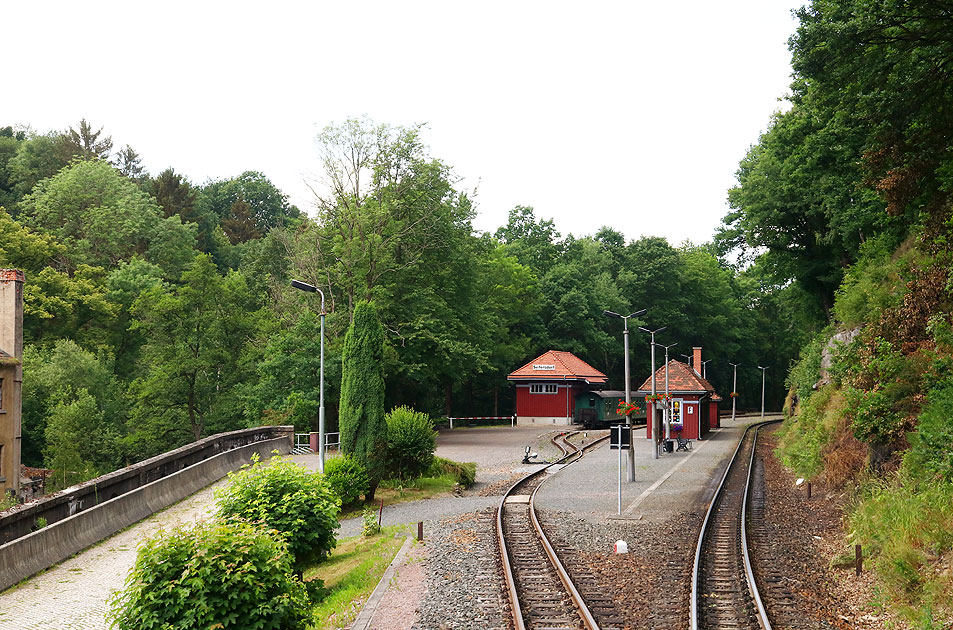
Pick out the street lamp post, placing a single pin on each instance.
(668, 402)
(763, 370)
(734, 391)
(652, 377)
(688, 359)
(310, 288)
(628, 388)
(705, 368)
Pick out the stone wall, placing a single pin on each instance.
(77, 517)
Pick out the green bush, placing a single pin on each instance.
(930, 458)
(286, 497)
(214, 575)
(347, 478)
(807, 371)
(411, 441)
(873, 283)
(463, 473)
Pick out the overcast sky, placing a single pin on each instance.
(628, 114)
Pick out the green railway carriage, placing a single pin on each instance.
(598, 409)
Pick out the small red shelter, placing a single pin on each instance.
(694, 401)
(546, 387)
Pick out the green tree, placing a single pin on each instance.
(195, 337)
(251, 201)
(103, 218)
(287, 389)
(73, 412)
(534, 243)
(37, 158)
(361, 409)
(85, 143)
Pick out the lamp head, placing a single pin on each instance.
(304, 286)
(611, 314)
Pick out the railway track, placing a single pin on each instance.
(542, 594)
(724, 589)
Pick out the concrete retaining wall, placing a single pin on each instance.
(33, 552)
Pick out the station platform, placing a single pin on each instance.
(674, 483)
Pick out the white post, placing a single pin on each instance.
(619, 507)
(734, 390)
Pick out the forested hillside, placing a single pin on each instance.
(159, 310)
(847, 196)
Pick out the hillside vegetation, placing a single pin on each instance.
(847, 195)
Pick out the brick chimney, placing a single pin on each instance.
(11, 376)
(697, 359)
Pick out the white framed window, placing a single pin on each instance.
(543, 388)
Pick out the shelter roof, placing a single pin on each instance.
(681, 380)
(560, 366)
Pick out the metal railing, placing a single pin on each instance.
(512, 419)
(303, 442)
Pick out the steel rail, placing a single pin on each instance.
(749, 574)
(515, 608)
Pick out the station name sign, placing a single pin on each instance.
(543, 366)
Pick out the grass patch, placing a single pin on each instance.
(908, 532)
(350, 575)
(426, 487)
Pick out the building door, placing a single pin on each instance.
(691, 418)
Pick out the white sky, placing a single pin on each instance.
(628, 114)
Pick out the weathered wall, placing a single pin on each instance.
(87, 513)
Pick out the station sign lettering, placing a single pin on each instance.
(543, 366)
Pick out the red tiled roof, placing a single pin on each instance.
(558, 365)
(681, 378)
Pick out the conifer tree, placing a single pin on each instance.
(361, 410)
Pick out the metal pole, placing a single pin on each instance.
(668, 403)
(628, 399)
(321, 439)
(654, 402)
(628, 387)
(734, 390)
(310, 288)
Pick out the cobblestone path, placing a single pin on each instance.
(73, 594)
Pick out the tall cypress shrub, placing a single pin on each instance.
(361, 410)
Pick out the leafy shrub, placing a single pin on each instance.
(807, 371)
(801, 442)
(411, 441)
(286, 497)
(214, 575)
(930, 458)
(370, 525)
(463, 473)
(881, 392)
(873, 283)
(347, 478)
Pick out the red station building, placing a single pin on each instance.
(694, 401)
(546, 387)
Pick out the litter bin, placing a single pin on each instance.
(669, 446)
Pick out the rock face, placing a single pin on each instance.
(827, 355)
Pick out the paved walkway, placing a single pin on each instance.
(74, 594)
